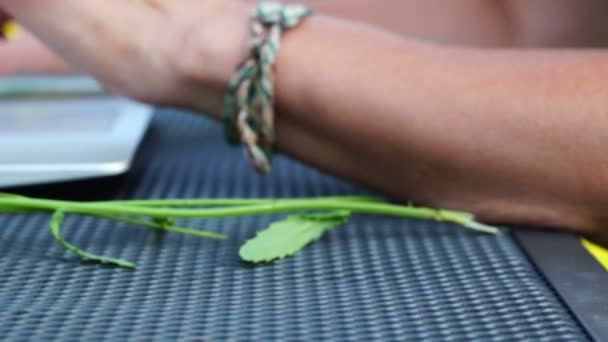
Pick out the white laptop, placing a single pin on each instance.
(56, 129)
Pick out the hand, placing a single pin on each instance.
(168, 52)
(27, 55)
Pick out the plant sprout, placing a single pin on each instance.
(312, 217)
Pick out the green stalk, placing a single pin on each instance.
(275, 206)
(165, 227)
(225, 202)
(163, 211)
(18, 210)
(55, 227)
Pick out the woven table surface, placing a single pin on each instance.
(375, 278)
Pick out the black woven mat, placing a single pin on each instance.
(374, 279)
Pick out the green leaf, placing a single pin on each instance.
(285, 238)
(55, 226)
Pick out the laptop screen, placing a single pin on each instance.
(68, 118)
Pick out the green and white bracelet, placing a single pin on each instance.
(249, 102)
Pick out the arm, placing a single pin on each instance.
(484, 23)
(466, 22)
(513, 136)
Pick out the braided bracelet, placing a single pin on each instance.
(249, 102)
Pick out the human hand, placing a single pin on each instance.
(168, 52)
(27, 55)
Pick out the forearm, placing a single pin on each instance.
(466, 22)
(481, 23)
(511, 136)
(514, 137)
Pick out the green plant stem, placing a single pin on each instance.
(55, 227)
(19, 210)
(276, 206)
(165, 227)
(226, 202)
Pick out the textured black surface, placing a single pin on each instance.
(589, 303)
(373, 279)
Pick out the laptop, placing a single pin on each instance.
(64, 128)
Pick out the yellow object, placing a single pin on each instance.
(601, 254)
(11, 30)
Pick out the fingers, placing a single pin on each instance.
(27, 55)
(99, 36)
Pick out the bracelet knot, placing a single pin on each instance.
(249, 102)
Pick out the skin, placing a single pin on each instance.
(449, 118)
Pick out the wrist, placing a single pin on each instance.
(207, 54)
